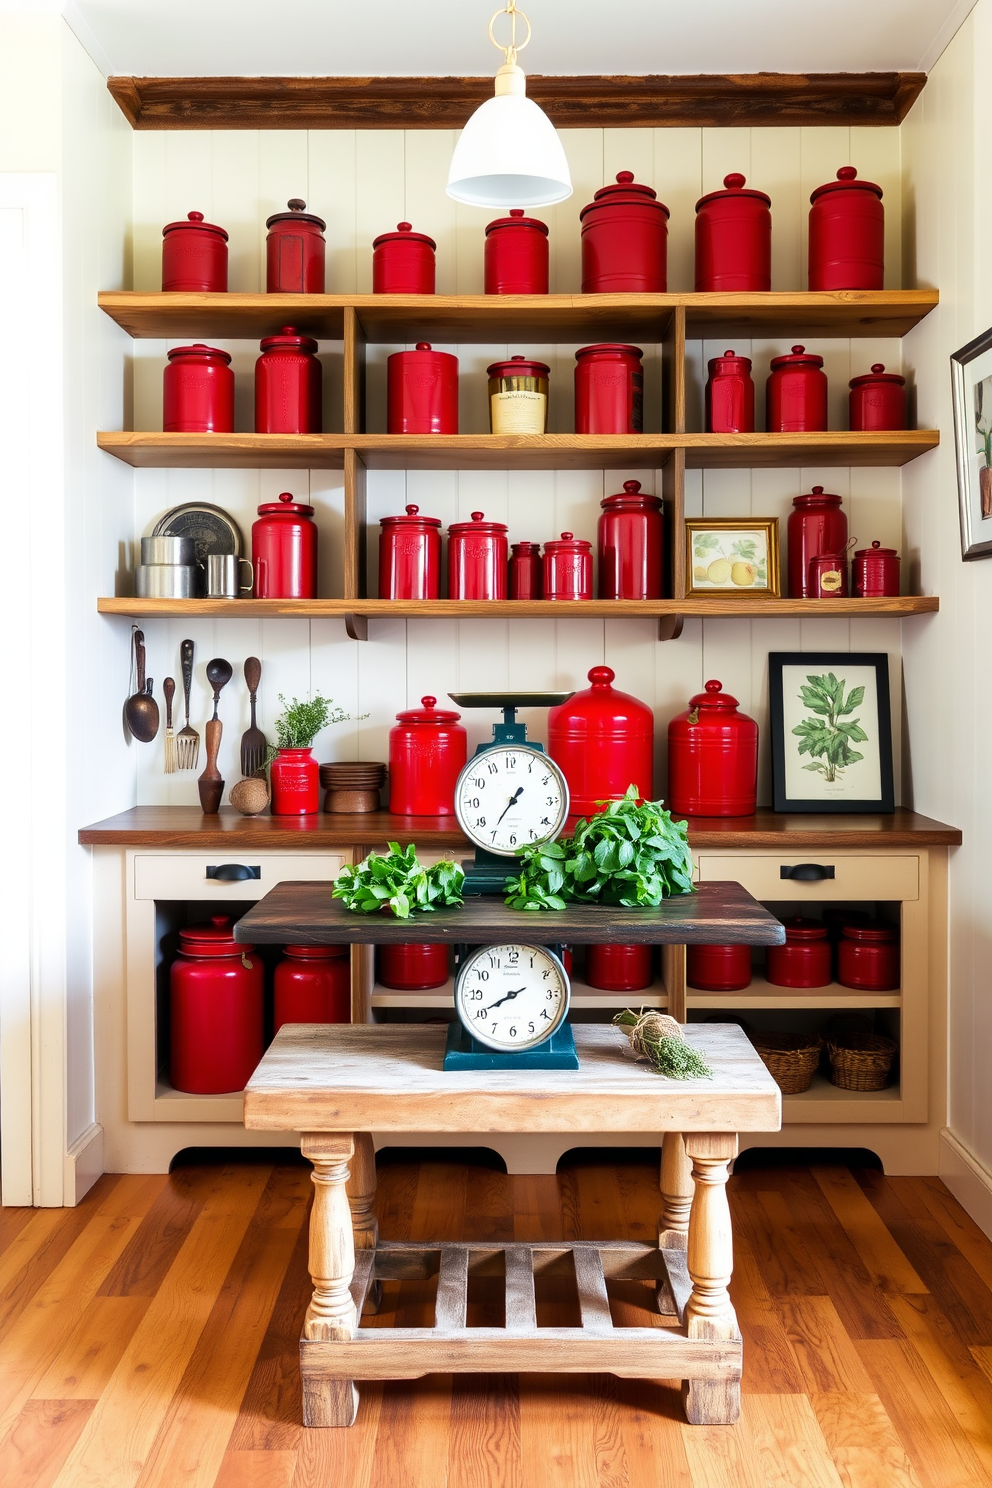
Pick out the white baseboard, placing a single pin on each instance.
(969, 1180)
(82, 1164)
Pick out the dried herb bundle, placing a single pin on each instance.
(660, 1039)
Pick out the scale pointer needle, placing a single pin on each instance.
(512, 801)
(509, 996)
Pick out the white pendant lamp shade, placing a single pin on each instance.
(509, 154)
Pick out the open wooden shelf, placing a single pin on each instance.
(582, 996)
(762, 994)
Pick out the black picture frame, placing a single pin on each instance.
(786, 670)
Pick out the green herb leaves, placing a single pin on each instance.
(660, 1039)
(827, 738)
(398, 881)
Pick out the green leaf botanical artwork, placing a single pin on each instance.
(829, 736)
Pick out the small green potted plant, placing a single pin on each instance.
(294, 772)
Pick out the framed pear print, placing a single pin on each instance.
(831, 731)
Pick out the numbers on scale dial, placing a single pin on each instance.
(508, 798)
(512, 997)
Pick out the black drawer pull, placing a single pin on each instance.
(807, 872)
(233, 872)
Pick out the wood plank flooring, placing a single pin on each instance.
(149, 1337)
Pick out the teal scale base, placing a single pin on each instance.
(463, 1052)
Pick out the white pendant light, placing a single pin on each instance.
(509, 154)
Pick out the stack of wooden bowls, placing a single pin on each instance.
(352, 785)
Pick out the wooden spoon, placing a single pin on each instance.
(211, 783)
(141, 709)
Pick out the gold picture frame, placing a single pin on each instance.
(735, 557)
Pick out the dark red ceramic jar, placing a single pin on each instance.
(609, 389)
(516, 255)
(295, 777)
(733, 240)
(194, 257)
(295, 251)
(619, 968)
(804, 960)
(410, 556)
(718, 968)
(847, 234)
(288, 385)
(403, 262)
(603, 739)
(526, 571)
(412, 967)
(730, 395)
(216, 991)
(198, 391)
(868, 957)
(878, 400)
(876, 572)
(816, 525)
(312, 984)
(796, 393)
(284, 550)
(828, 576)
(631, 545)
(427, 749)
(625, 240)
(422, 391)
(568, 568)
(477, 559)
(712, 757)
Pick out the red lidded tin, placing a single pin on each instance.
(194, 257)
(609, 389)
(733, 239)
(412, 967)
(619, 968)
(868, 957)
(313, 985)
(603, 739)
(730, 395)
(216, 1009)
(847, 234)
(422, 391)
(876, 572)
(516, 255)
(295, 777)
(816, 525)
(526, 571)
(718, 968)
(568, 568)
(294, 251)
(410, 556)
(828, 576)
(477, 559)
(427, 750)
(630, 540)
(198, 391)
(712, 757)
(796, 393)
(625, 240)
(288, 385)
(878, 400)
(403, 262)
(804, 960)
(284, 550)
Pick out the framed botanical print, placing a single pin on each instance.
(831, 731)
(971, 388)
(732, 556)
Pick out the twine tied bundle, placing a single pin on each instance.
(659, 1039)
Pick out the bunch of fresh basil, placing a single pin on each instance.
(397, 880)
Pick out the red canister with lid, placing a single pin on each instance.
(816, 525)
(284, 550)
(828, 576)
(516, 255)
(603, 739)
(609, 389)
(730, 395)
(876, 572)
(631, 544)
(295, 251)
(733, 239)
(313, 985)
(427, 749)
(403, 262)
(216, 989)
(295, 777)
(712, 757)
(625, 240)
(194, 257)
(796, 393)
(526, 571)
(412, 967)
(804, 960)
(868, 957)
(410, 556)
(422, 391)
(288, 385)
(568, 568)
(718, 968)
(878, 400)
(847, 234)
(477, 559)
(198, 391)
(619, 968)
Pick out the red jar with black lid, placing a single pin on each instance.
(804, 960)
(295, 251)
(412, 966)
(631, 544)
(198, 391)
(194, 257)
(288, 385)
(516, 255)
(477, 559)
(796, 394)
(878, 400)
(816, 525)
(526, 571)
(730, 395)
(422, 391)
(712, 757)
(609, 389)
(427, 750)
(403, 262)
(216, 990)
(312, 984)
(568, 568)
(625, 240)
(733, 239)
(868, 957)
(718, 968)
(619, 968)
(410, 556)
(847, 234)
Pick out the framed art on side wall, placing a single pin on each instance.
(831, 731)
(971, 389)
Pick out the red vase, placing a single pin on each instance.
(295, 777)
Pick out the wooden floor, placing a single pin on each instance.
(149, 1337)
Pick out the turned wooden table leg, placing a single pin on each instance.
(710, 1313)
(361, 1197)
(676, 1199)
(331, 1314)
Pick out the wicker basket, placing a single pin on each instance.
(791, 1058)
(861, 1061)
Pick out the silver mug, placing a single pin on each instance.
(224, 576)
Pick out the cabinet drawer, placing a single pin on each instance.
(885, 876)
(184, 875)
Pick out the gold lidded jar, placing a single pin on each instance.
(518, 396)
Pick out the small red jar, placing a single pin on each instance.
(712, 757)
(194, 257)
(313, 985)
(868, 957)
(568, 568)
(878, 400)
(876, 572)
(295, 777)
(733, 240)
(410, 556)
(804, 960)
(516, 255)
(609, 389)
(730, 395)
(422, 391)
(718, 968)
(477, 559)
(288, 385)
(411, 967)
(427, 749)
(526, 571)
(284, 550)
(198, 391)
(625, 240)
(295, 251)
(216, 1009)
(847, 234)
(403, 262)
(816, 525)
(828, 576)
(619, 968)
(630, 540)
(796, 394)
(603, 739)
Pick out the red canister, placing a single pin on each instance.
(410, 556)
(216, 1008)
(198, 391)
(619, 968)
(868, 957)
(284, 550)
(403, 262)
(295, 777)
(427, 749)
(609, 389)
(411, 967)
(712, 757)
(294, 251)
(804, 960)
(625, 240)
(816, 525)
(828, 576)
(878, 400)
(516, 255)
(630, 540)
(733, 240)
(876, 572)
(288, 385)
(422, 391)
(603, 739)
(730, 395)
(718, 968)
(568, 568)
(477, 559)
(313, 985)
(847, 234)
(796, 393)
(194, 257)
(526, 571)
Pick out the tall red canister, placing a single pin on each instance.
(796, 393)
(412, 967)
(609, 389)
(312, 984)
(403, 262)
(868, 957)
(718, 968)
(631, 544)
(216, 989)
(422, 391)
(284, 550)
(477, 559)
(619, 968)
(847, 234)
(804, 960)
(295, 778)
(733, 239)
(410, 556)
(730, 395)
(712, 757)
(516, 255)
(194, 257)
(427, 749)
(875, 572)
(816, 525)
(288, 385)
(198, 391)
(878, 399)
(295, 251)
(568, 568)
(526, 571)
(625, 240)
(603, 739)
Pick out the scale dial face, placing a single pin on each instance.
(509, 797)
(511, 997)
